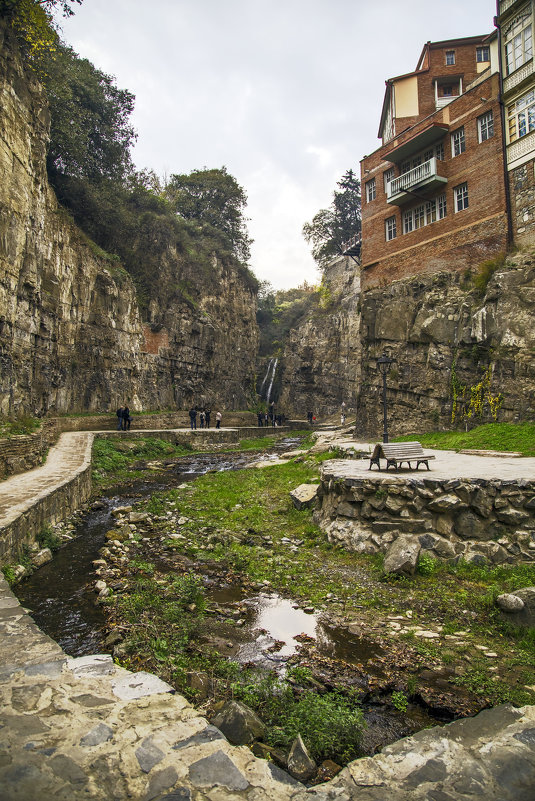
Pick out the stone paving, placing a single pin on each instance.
(87, 729)
(70, 456)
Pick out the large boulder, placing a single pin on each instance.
(509, 602)
(300, 764)
(304, 495)
(239, 724)
(402, 556)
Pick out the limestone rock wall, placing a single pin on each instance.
(72, 336)
(430, 324)
(321, 359)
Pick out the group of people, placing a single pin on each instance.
(204, 418)
(270, 419)
(124, 419)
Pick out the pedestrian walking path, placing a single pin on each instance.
(88, 729)
(68, 458)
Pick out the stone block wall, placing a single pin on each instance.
(482, 521)
(25, 451)
(52, 508)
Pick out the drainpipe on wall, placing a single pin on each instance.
(510, 236)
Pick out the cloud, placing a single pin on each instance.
(286, 94)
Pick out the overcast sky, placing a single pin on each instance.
(286, 94)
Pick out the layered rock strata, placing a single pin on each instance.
(72, 335)
(444, 334)
(321, 359)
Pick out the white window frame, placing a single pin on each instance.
(388, 177)
(439, 151)
(442, 209)
(450, 58)
(460, 195)
(458, 142)
(518, 41)
(521, 116)
(485, 126)
(371, 190)
(424, 214)
(482, 54)
(390, 228)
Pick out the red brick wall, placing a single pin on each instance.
(155, 340)
(478, 232)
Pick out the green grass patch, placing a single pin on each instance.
(15, 426)
(113, 458)
(518, 437)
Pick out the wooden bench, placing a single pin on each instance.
(396, 453)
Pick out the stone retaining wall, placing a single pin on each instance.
(143, 422)
(482, 521)
(25, 451)
(52, 508)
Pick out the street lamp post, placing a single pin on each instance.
(383, 364)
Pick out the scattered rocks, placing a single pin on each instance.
(402, 556)
(510, 603)
(304, 495)
(239, 723)
(300, 764)
(42, 557)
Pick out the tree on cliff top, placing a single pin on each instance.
(331, 228)
(214, 198)
(90, 133)
(32, 24)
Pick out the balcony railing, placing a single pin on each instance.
(410, 180)
(444, 101)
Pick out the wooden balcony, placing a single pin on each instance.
(418, 182)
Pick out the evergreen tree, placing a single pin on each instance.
(331, 228)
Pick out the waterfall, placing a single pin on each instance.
(266, 376)
(272, 378)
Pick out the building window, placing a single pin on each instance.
(441, 206)
(518, 41)
(388, 177)
(390, 228)
(482, 54)
(450, 57)
(370, 190)
(447, 91)
(439, 151)
(458, 144)
(485, 126)
(460, 194)
(521, 116)
(408, 222)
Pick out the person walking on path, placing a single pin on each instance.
(119, 414)
(207, 414)
(260, 419)
(218, 418)
(193, 417)
(126, 419)
(201, 418)
(309, 417)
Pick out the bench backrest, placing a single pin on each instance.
(400, 450)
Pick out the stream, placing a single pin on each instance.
(270, 629)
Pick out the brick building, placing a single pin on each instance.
(515, 25)
(434, 192)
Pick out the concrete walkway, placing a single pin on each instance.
(87, 729)
(69, 457)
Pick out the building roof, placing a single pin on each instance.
(420, 68)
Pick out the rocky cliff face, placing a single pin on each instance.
(444, 334)
(321, 358)
(72, 336)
